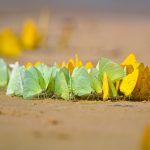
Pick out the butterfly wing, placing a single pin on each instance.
(105, 87)
(130, 61)
(61, 86)
(32, 83)
(113, 91)
(95, 82)
(4, 75)
(145, 84)
(45, 72)
(113, 70)
(15, 85)
(129, 82)
(80, 82)
(53, 72)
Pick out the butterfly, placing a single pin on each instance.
(15, 85)
(9, 43)
(128, 83)
(80, 82)
(108, 87)
(62, 84)
(142, 88)
(130, 61)
(4, 73)
(30, 36)
(113, 70)
(96, 83)
(33, 83)
(145, 141)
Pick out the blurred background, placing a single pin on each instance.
(107, 6)
(89, 28)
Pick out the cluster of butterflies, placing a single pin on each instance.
(12, 44)
(75, 80)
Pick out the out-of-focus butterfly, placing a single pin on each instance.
(30, 37)
(9, 43)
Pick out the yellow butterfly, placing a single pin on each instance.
(9, 43)
(130, 61)
(129, 82)
(30, 36)
(29, 64)
(78, 62)
(142, 89)
(105, 87)
(145, 141)
(71, 64)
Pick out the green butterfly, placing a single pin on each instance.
(45, 72)
(62, 84)
(51, 86)
(33, 83)
(96, 83)
(113, 70)
(113, 92)
(39, 80)
(80, 82)
(4, 73)
(15, 85)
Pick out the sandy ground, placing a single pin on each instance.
(57, 124)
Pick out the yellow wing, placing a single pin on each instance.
(105, 87)
(145, 84)
(70, 67)
(28, 65)
(78, 63)
(130, 60)
(30, 35)
(9, 43)
(89, 65)
(129, 82)
(142, 89)
(145, 141)
(117, 85)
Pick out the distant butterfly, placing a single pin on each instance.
(30, 36)
(9, 43)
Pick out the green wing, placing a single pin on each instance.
(32, 83)
(96, 84)
(80, 82)
(15, 85)
(61, 86)
(113, 92)
(45, 72)
(113, 70)
(4, 75)
(53, 72)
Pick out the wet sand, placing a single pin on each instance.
(57, 124)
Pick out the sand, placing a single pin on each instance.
(57, 124)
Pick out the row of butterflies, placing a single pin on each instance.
(108, 80)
